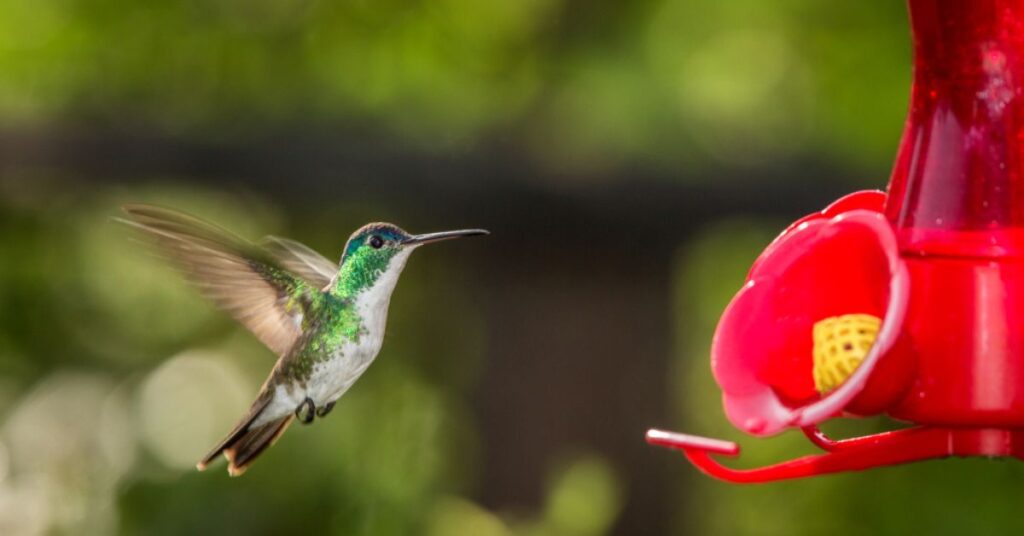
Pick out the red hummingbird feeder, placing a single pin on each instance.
(910, 302)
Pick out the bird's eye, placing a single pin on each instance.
(376, 242)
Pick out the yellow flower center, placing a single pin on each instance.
(840, 344)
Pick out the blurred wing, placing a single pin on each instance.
(301, 261)
(238, 276)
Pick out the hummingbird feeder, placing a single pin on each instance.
(909, 302)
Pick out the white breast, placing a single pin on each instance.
(332, 377)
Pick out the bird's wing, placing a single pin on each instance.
(240, 277)
(300, 260)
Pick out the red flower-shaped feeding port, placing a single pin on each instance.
(821, 306)
(909, 303)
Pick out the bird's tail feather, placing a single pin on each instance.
(246, 442)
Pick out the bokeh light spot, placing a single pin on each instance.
(187, 404)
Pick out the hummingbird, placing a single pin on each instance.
(325, 321)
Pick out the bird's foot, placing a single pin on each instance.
(322, 411)
(306, 411)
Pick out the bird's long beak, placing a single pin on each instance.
(418, 240)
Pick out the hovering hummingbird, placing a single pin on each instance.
(325, 321)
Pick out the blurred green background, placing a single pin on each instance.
(630, 158)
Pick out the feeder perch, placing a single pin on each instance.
(908, 302)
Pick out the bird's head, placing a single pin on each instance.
(379, 250)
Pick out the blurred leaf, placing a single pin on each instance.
(584, 499)
(457, 517)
